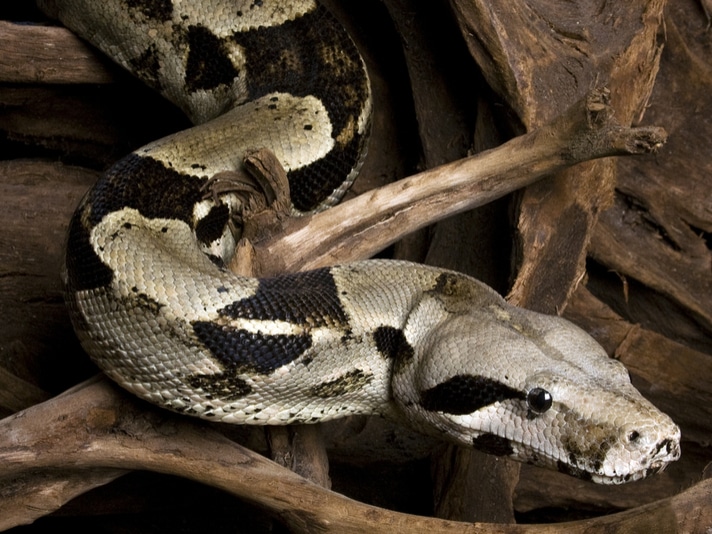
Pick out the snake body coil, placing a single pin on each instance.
(157, 310)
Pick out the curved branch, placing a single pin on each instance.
(96, 427)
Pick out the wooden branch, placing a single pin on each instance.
(363, 226)
(95, 427)
(29, 496)
(48, 54)
(540, 59)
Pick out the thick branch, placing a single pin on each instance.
(94, 426)
(361, 227)
(46, 54)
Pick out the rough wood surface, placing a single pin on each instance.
(540, 57)
(659, 230)
(48, 54)
(96, 427)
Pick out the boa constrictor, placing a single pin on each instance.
(155, 307)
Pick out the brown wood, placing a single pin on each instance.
(540, 59)
(95, 427)
(48, 54)
(361, 227)
(658, 230)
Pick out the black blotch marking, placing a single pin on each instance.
(212, 226)
(309, 298)
(313, 183)
(446, 284)
(569, 469)
(147, 67)
(216, 260)
(392, 343)
(147, 185)
(243, 351)
(463, 394)
(224, 385)
(320, 60)
(346, 383)
(161, 10)
(208, 65)
(85, 270)
(493, 444)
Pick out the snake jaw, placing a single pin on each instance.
(598, 451)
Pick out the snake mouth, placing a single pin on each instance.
(612, 480)
(666, 452)
(608, 480)
(602, 465)
(602, 471)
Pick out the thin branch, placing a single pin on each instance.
(361, 227)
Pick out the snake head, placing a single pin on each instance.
(537, 389)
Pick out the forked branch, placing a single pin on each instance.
(361, 227)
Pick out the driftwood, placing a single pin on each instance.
(538, 61)
(97, 429)
(365, 225)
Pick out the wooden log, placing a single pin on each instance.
(36, 200)
(659, 230)
(49, 54)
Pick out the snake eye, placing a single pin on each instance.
(539, 400)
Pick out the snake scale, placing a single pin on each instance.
(154, 305)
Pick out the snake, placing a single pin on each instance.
(154, 304)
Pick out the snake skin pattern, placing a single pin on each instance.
(153, 304)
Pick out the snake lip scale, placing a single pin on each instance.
(155, 307)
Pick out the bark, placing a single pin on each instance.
(659, 231)
(94, 427)
(363, 226)
(42, 54)
(540, 57)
